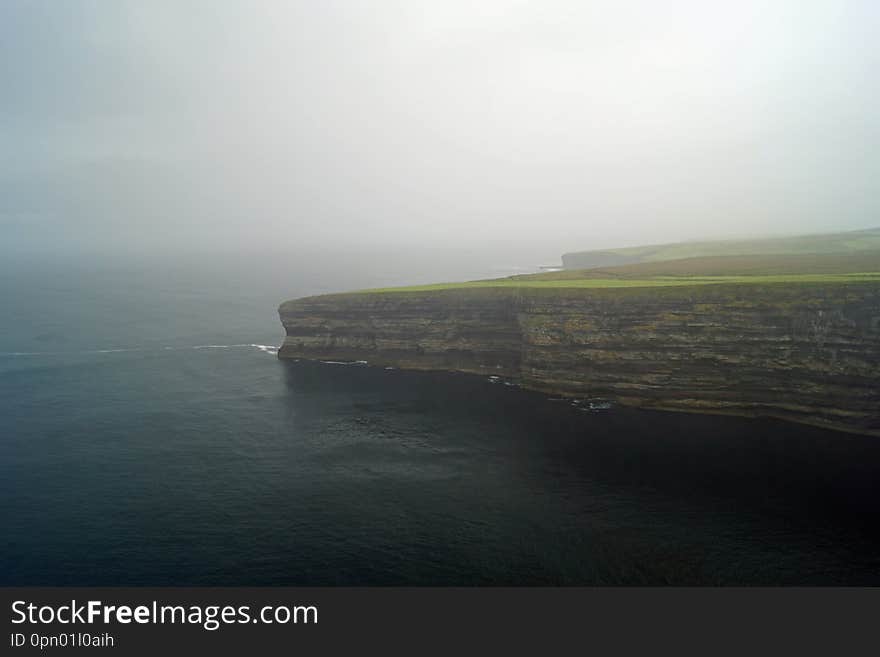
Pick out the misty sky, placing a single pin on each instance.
(564, 125)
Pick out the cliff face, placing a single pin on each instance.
(803, 352)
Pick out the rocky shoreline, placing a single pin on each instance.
(804, 352)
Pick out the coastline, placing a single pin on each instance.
(805, 353)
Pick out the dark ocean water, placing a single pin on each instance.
(149, 436)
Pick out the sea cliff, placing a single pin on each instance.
(807, 352)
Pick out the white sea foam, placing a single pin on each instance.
(344, 362)
(266, 348)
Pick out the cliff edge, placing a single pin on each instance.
(806, 351)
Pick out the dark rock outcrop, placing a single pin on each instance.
(803, 352)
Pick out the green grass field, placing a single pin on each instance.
(834, 243)
(835, 268)
(749, 265)
(658, 281)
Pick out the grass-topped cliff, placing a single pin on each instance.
(795, 337)
(842, 244)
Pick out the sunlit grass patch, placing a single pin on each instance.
(657, 281)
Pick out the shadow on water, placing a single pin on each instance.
(767, 465)
(683, 498)
(229, 467)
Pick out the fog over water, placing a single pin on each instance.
(131, 127)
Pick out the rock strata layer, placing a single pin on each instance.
(803, 352)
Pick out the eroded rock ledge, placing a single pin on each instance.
(803, 352)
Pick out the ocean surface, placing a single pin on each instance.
(150, 436)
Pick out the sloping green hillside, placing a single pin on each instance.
(729, 270)
(833, 243)
(658, 281)
(748, 265)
